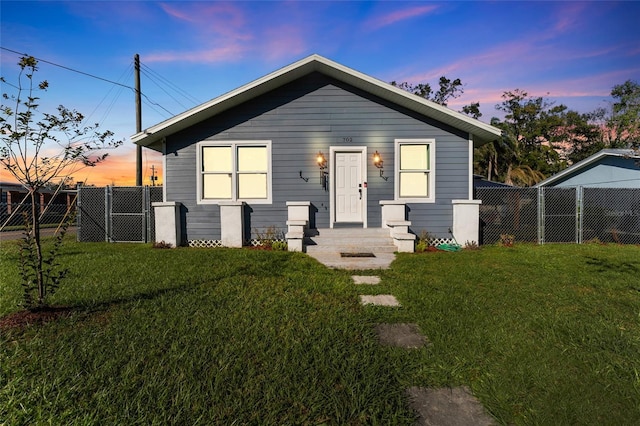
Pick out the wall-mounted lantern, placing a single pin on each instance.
(377, 161)
(322, 163)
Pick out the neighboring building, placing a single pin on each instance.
(609, 168)
(316, 135)
(14, 199)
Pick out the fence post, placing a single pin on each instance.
(107, 213)
(146, 203)
(579, 214)
(541, 221)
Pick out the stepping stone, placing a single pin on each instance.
(401, 335)
(380, 300)
(365, 279)
(448, 407)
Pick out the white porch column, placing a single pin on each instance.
(394, 218)
(232, 223)
(167, 222)
(297, 222)
(392, 211)
(466, 220)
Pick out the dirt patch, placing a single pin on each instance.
(21, 319)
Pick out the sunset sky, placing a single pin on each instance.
(191, 52)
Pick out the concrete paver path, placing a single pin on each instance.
(379, 300)
(447, 407)
(365, 279)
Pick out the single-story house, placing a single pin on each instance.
(317, 145)
(608, 168)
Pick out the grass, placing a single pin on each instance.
(541, 334)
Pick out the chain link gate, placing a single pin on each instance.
(560, 215)
(117, 214)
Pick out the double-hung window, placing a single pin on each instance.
(415, 170)
(234, 171)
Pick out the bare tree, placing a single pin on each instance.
(38, 148)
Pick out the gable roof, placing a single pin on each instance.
(627, 153)
(481, 132)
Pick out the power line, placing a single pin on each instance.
(172, 85)
(68, 69)
(88, 75)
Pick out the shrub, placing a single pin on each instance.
(279, 246)
(270, 236)
(162, 245)
(507, 240)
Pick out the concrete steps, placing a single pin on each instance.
(350, 240)
(328, 245)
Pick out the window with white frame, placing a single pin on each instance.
(415, 170)
(234, 171)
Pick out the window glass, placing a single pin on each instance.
(414, 184)
(252, 159)
(217, 159)
(252, 185)
(414, 157)
(216, 186)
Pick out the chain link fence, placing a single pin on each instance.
(117, 213)
(51, 215)
(560, 215)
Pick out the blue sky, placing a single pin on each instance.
(570, 52)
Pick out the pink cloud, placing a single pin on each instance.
(283, 42)
(399, 15)
(224, 19)
(231, 52)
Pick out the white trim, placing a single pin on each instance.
(363, 176)
(164, 170)
(234, 184)
(470, 166)
(432, 170)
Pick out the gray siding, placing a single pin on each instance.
(302, 118)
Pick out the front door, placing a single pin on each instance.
(348, 187)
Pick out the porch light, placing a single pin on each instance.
(322, 162)
(377, 161)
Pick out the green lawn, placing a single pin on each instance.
(541, 334)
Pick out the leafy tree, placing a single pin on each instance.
(624, 120)
(37, 148)
(615, 127)
(447, 90)
(533, 131)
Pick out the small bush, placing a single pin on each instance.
(507, 240)
(279, 246)
(162, 245)
(270, 236)
(471, 245)
(424, 240)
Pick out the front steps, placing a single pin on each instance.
(327, 246)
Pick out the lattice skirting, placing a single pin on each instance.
(218, 243)
(437, 241)
(205, 243)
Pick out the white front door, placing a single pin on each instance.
(348, 187)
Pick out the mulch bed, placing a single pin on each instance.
(21, 319)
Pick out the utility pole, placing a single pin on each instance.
(136, 66)
(154, 178)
